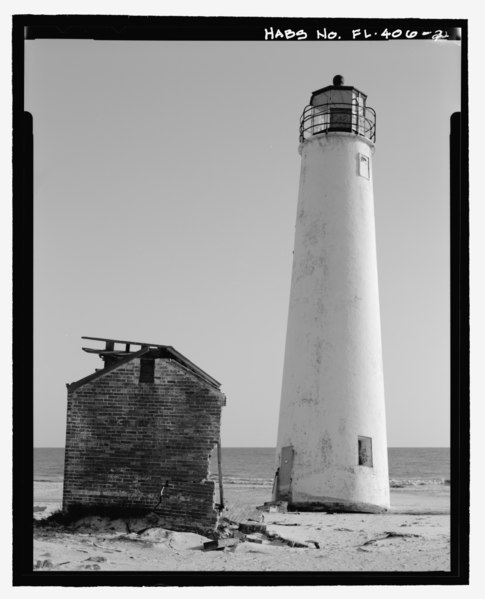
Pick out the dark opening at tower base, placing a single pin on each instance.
(336, 507)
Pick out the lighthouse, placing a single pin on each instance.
(332, 444)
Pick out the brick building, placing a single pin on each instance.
(140, 433)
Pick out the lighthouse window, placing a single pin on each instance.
(365, 451)
(364, 166)
(340, 118)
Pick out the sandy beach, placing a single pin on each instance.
(413, 537)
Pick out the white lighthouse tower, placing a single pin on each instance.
(332, 446)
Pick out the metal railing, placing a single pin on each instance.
(351, 117)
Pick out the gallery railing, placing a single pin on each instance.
(338, 116)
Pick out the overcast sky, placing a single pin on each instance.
(165, 189)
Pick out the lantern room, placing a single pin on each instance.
(338, 108)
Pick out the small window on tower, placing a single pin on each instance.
(364, 166)
(147, 370)
(365, 451)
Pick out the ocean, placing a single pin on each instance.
(255, 466)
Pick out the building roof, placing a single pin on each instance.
(114, 358)
(339, 87)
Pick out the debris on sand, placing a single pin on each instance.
(219, 544)
(390, 535)
(273, 506)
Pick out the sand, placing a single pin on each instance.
(413, 537)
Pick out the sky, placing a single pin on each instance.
(165, 189)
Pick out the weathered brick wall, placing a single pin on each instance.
(125, 439)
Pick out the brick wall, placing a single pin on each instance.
(125, 439)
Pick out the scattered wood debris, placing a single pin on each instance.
(389, 535)
(317, 545)
(219, 544)
(273, 506)
(250, 526)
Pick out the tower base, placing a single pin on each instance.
(331, 504)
